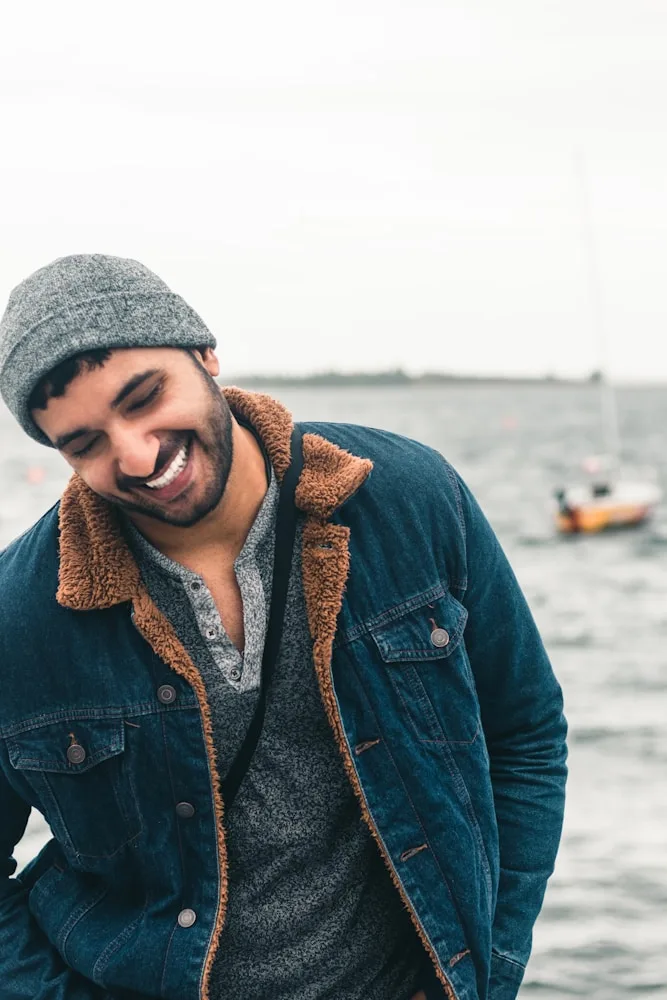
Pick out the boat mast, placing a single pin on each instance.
(608, 405)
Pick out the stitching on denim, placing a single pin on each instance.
(425, 699)
(166, 958)
(42, 782)
(391, 655)
(393, 613)
(435, 714)
(56, 807)
(465, 743)
(103, 959)
(408, 713)
(92, 714)
(435, 592)
(104, 753)
(173, 795)
(506, 958)
(464, 797)
(75, 917)
(133, 836)
(416, 814)
(451, 475)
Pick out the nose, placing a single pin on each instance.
(136, 455)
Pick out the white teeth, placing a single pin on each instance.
(168, 477)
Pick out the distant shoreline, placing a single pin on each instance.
(401, 378)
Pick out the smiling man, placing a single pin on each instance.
(274, 688)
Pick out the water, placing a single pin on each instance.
(601, 604)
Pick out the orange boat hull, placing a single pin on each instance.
(590, 520)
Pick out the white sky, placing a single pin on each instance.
(355, 185)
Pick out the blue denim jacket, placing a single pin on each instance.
(435, 683)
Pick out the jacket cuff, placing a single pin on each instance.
(506, 976)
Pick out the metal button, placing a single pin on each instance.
(186, 918)
(76, 754)
(235, 674)
(166, 694)
(185, 810)
(195, 585)
(439, 637)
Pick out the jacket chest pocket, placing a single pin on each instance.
(78, 770)
(424, 655)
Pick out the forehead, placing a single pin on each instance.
(123, 362)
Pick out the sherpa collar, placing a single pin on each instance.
(97, 569)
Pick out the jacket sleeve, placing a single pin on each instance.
(525, 729)
(30, 967)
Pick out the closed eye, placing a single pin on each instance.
(153, 394)
(140, 404)
(84, 451)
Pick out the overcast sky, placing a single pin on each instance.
(354, 185)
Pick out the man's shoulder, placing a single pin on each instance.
(398, 460)
(371, 442)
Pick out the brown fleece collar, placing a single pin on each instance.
(97, 569)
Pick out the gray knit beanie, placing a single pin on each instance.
(80, 303)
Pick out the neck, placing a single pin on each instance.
(224, 529)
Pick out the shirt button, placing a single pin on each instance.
(166, 694)
(76, 754)
(235, 674)
(439, 637)
(186, 918)
(211, 633)
(185, 810)
(195, 585)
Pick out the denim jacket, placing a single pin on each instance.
(434, 680)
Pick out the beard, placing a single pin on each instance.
(215, 444)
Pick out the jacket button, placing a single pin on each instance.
(439, 637)
(166, 694)
(185, 809)
(76, 754)
(186, 918)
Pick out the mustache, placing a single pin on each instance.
(169, 447)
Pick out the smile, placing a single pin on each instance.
(177, 465)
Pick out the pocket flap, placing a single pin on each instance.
(430, 632)
(45, 747)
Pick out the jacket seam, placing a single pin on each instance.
(76, 917)
(506, 958)
(86, 714)
(416, 814)
(451, 475)
(394, 613)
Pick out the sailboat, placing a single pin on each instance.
(605, 500)
(605, 497)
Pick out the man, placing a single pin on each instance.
(391, 834)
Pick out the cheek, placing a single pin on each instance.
(100, 479)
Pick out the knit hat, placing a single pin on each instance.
(81, 303)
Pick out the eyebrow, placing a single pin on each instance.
(127, 390)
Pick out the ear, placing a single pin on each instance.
(209, 360)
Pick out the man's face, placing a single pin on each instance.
(149, 431)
